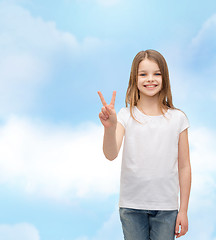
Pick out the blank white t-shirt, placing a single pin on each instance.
(149, 171)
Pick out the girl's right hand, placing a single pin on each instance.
(108, 115)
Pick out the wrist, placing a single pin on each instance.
(183, 210)
(110, 129)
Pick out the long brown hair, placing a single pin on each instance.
(165, 95)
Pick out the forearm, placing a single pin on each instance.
(110, 144)
(185, 186)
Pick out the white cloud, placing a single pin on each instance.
(56, 162)
(66, 163)
(204, 220)
(111, 229)
(202, 198)
(203, 46)
(23, 32)
(29, 50)
(203, 155)
(193, 64)
(207, 33)
(20, 75)
(21, 231)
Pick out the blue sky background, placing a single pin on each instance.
(55, 183)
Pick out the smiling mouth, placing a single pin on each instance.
(150, 86)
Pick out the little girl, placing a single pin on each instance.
(155, 158)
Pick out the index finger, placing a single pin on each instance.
(113, 98)
(102, 98)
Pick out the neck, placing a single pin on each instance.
(149, 105)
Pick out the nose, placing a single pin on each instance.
(150, 78)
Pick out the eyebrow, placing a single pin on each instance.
(146, 71)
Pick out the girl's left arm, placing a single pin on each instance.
(184, 169)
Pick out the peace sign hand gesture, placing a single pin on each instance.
(108, 115)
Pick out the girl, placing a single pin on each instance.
(155, 158)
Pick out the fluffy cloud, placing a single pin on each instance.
(62, 161)
(111, 229)
(23, 32)
(207, 33)
(66, 163)
(21, 231)
(203, 46)
(202, 198)
(56, 162)
(30, 51)
(193, 64)
(203, 155)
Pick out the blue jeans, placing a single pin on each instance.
(140, 224)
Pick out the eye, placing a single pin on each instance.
(158, 74)
(142, 74)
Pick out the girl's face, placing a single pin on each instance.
(149, 74)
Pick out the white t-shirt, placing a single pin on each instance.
(149, 171)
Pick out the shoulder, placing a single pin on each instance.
(124, 110)
(179, 116)
(181, 119)
(177, 112)
(123, 115)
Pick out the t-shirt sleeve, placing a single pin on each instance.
(184, 122)
(122, 116)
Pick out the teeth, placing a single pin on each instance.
(151, 86)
